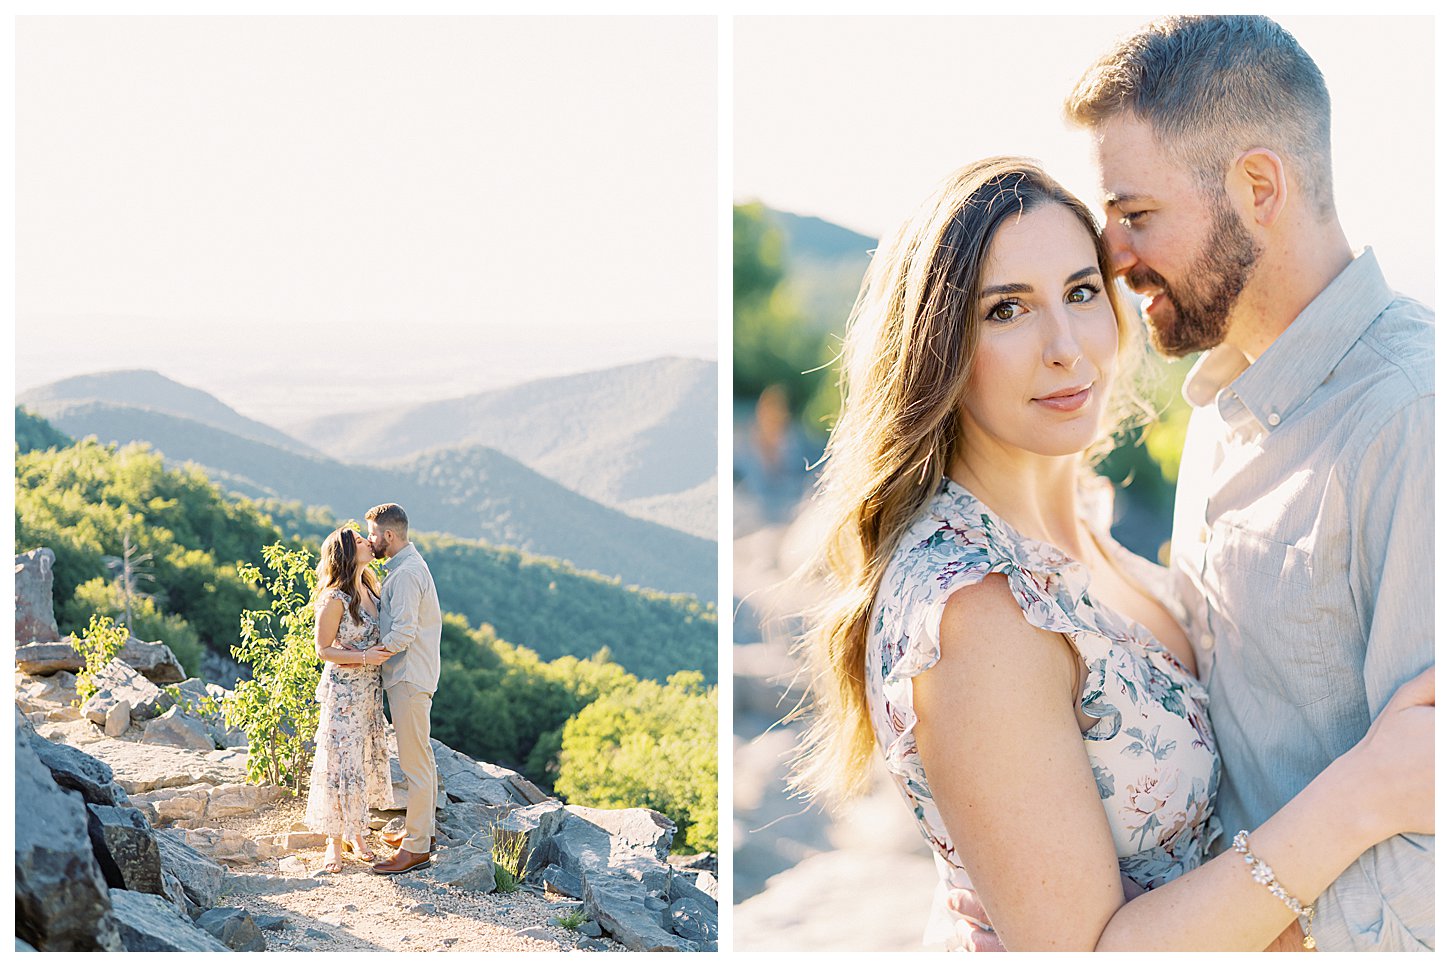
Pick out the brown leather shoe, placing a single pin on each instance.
(402, 862)
(395, 840)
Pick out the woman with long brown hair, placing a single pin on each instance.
(1024, 676)
(350, 764)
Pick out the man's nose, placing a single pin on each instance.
(1121, 257)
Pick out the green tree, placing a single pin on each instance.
(277, 706)
(101, 597)
(649, 745)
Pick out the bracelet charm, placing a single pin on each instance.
(1263, 874)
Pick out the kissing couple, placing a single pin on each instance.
(1232, 753)
(373, 637)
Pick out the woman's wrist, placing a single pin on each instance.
(1351, 785)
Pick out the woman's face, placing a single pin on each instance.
(363, 548)
(1048, 338)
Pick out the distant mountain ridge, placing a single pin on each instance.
(148, 389)
(825, 264)
(471, 492)
(631, 437)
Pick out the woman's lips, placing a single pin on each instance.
(1066, 402)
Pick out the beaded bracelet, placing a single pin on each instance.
(1262, 873)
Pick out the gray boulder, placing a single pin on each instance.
(466, 867)
(61, 898)
(178, 728)
(73, 769)
(624, 913)
(200, 878)
(149, 924)
(619, 842)
(693, 921)
(465, 780)
(461, 821)
(35, 596)
(234, 927)
(538, 823)
(682, 887)
(643, 829)
(560, 880)
(223, 845)
(125, 846)
(203, 700)
(240, 799)
(118, 682)
(146, 768)
(151, 658)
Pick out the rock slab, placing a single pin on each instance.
(35, 596)
(151, 925)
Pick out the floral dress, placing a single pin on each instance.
(350, 764)
(1151, 750)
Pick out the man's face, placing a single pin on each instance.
(1189, 253)
(378, 539)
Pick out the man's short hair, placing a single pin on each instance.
(1211, 87)
(389, 516)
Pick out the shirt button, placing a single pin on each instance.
(1206, 642)
(1273, 419)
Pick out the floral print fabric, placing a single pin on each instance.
(1151, 750)
(350, 764)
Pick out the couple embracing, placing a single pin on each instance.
(1235, 752)
(373, 638)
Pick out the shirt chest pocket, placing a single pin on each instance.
(1265, 595)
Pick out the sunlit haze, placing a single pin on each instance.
(305, 215)
(855, 120)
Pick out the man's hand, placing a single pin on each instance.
(972, 928)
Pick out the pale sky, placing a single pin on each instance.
(856, 119)
(260, 206)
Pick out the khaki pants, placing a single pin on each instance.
(411, 708)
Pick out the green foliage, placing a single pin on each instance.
(277, 706)
(772, 343)
(98, 646)
(101, 597)
(80, 502)
(34, 433)
(510, 859)
(649, 745)
(572, 920)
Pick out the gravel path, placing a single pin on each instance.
(359, 910)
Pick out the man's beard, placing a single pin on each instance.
(1199, 308)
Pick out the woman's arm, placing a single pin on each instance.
(1002, 748)
(329, 619)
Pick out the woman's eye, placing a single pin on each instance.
(1005, 311)
(1082, 293)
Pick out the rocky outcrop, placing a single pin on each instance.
(151, 658)
(61, 898)
(150, 924)
(125, 846)
(120, 684)
(35, 596)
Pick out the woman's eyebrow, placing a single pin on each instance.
(1015, 288)
(1005, 288)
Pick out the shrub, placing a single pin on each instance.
(98, 647)
(277, 706)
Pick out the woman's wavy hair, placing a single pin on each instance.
(338, 566)
(904, 367)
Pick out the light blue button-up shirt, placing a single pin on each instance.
(1303, 547)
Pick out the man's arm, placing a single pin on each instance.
(1386, 900)
(405, 597)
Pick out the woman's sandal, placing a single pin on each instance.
(359, 849)
(329, 866)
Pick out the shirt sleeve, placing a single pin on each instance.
(404, 601)
(1386, 900)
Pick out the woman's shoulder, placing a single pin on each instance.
(329, 595)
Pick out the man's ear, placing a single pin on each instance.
(1258, 185)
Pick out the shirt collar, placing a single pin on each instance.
(402, 555)
(1259, 397)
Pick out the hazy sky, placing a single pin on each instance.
(265, 206)
(855, 120)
